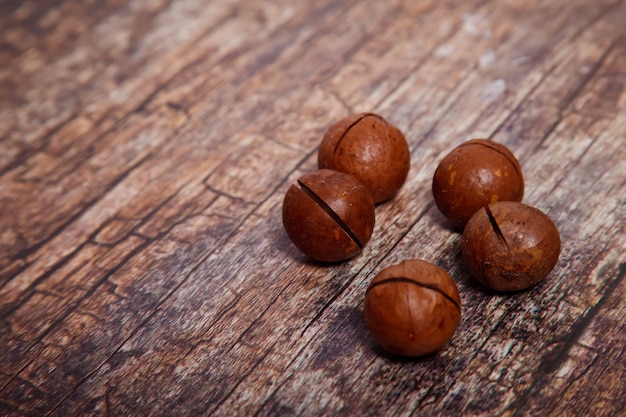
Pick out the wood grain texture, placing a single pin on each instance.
(145, 148)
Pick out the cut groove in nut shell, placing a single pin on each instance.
(515, 163)
(311, 194)
(419, 284)
(357, 121)
(496, 228)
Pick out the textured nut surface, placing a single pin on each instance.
(329, 215)
(476, 173)
(412, 308)
(371, 149)
(509, 246)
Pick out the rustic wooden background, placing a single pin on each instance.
(145, 147)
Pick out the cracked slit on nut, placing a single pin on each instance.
(432, 287)
(495, 227)
(306, 190)
(345, 133)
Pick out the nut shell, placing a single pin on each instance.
(476, 173)
(371, 149)
(509, 246)
(329, 215)
(412, 308)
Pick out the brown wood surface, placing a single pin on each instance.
(145, 148)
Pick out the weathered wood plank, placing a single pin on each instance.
(188, 146)
(356, 361)
(177, 161)
(38, 181)
(144, 268)
(589, 361)
(244, 237)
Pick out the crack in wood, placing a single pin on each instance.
(24, 253)
(549, 365)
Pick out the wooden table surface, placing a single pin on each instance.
(145, 149)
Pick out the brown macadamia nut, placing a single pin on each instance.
(509, 246)
(371, 149)
(329, 215)
(476, 173)
(412, 308)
